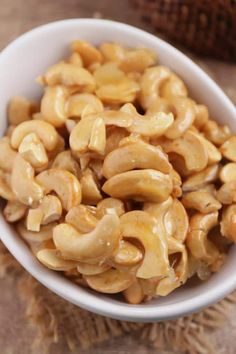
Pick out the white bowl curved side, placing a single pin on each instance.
(29, 56)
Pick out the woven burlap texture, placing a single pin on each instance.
(58, 321)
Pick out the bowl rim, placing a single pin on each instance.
(89, 301)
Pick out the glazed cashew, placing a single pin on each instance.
(14, 211)
(194, 162)
(45, 131)
(96, 245)
(139, 185)
(228, 149)
(64, 183)
(228, 172)
(51, 259)
(70, 75)
(7, 155)
(92, 269)
(90, 191)
(226, 194)
(201, 116)
(20, 110)
(53, 105)
(110, 282)
(228, 223)
(134, 293)
(200, 247)
(77, 103)
(202, 201)
(49, 210)
(153, 82)
(201, 179)
(82, 218)
(110, 206)
(127, 254)
(134, 156)
(142, 226)
(65, 161)
(215, 133)
(33, 151)
(88, 52)
(24, 184)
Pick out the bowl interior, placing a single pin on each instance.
(30, 56)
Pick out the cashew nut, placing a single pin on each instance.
(201, 179)
(134, 156)
(64, 183)
(137, 60)
(228, 223)
(7, 155)
(110, 282)
(92, 269)
(77, 103)
(33, 151)
(213, 153)
(75, 58)
(201, 116)
(228, 172)
(51, 259)
(134, 293)
(200, 247)
(227, 193)
(122, 92)
(70, 75)
(20, 110)
(82, 218)
(177, 183)
(96, 167)
(95, 246)
(53, 105)
(142, 226)
(110, 206)
(45, 233)
(65, 161)
(215, 133)
(228, 149)
(5, 186)
(127, 254)
(45, 131)
(139, 185)
(114, 136)
(112, 52)
(202, 201)
(24, 184)
(14, 211)
(88, 52)
(90, 191)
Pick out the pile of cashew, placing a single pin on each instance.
(117, 178)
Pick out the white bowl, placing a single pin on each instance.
(26, 58)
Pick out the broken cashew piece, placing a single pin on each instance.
(134, 156)
(97, 245)
(20, 110)
(62, 182)
(141, 185)
(33, 151)
(51, 259)
(142, 226)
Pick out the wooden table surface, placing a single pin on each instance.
(16, 17)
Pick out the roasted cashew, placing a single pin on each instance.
(5, 187)
(92, 269)
(7, 155)
(122, 92)
(228, 223)
(112, 52)
(202, 201)
(228, 149)
(134, 293)
(70, 75)
(64, 183)
(140, 185)
(88, 52)
(114, 136)
(49, 210)
(45, 233)
(215, 133)
(197, 242)
(110, 282)
(142, 226)
(24, 184)
(201, 116)
(127, 254)
(134, 156)
(77, 103)
(95, 246)
(82, 218)
(33, 151)
(14, 211)
(20, 110)
(137, 60)
(65, 161)
(53, 105)
(226, 194)
(45, 131)
(51, 259)
(110, 206)
(90, 191)
(213, 153)
(228, 172)
(201, 179)
(194, 162)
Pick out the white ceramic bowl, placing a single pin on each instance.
(26, 58)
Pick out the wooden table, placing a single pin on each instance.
(16, 17)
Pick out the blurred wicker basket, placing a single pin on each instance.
(207, 27)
